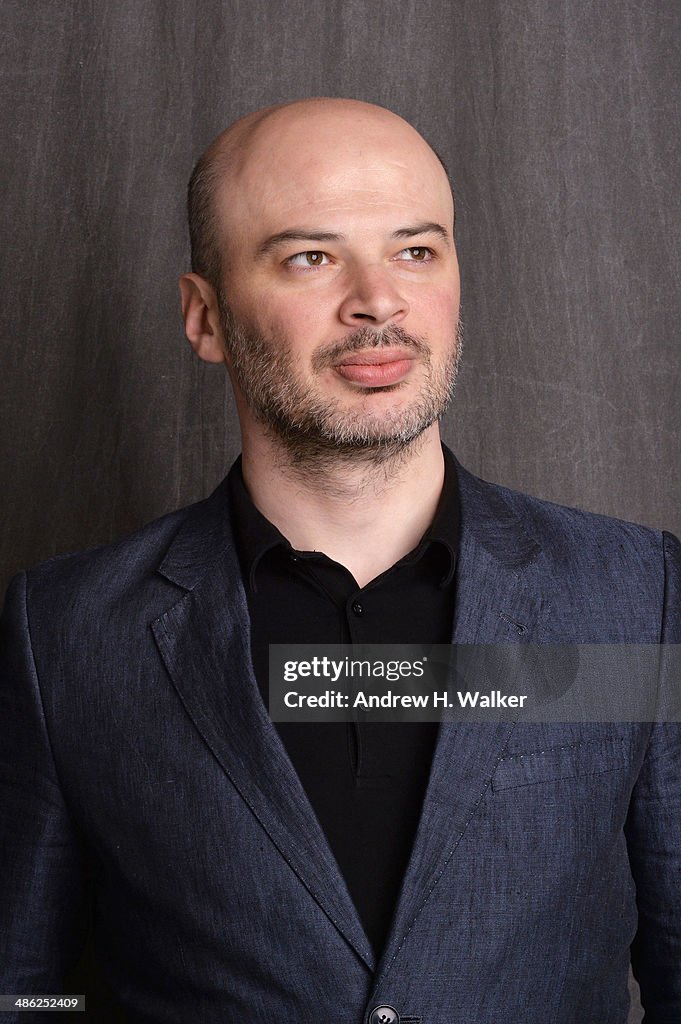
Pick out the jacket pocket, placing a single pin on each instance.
(556, 763)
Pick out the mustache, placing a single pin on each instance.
(368, 337)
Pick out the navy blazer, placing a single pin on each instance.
(133, 737)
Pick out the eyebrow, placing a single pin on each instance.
(428, 227)
(297, 235)
(314, 235)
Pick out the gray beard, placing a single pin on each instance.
(315, 432)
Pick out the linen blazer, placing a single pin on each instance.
(133, 740)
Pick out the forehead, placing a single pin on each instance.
(333, 171)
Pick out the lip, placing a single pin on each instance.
(376, 367)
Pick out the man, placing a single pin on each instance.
(247, 871)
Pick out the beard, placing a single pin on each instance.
(314, 428)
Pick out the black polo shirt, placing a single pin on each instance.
(366, 781)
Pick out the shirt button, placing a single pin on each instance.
(294, 558)
(358, 609)
(384, 1015)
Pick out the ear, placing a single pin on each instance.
(201, 318)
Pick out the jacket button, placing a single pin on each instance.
(358, 609)
(384, 1015)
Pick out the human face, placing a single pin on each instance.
(339, 304)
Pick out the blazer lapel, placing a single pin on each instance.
(204, 640)
(502, 593)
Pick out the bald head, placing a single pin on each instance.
(279, 151)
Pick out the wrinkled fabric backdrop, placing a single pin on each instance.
(558, 122)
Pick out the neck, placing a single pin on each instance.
(363, 513)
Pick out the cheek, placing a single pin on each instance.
(435, 314)
(301, 319)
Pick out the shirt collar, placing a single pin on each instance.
(444, 528)
(255, 535)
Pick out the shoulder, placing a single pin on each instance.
(129, 571)
(563, 531)
(620, 576)
(131, 555)
(132, 551)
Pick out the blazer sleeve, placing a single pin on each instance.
(654, 834)
(42, 908)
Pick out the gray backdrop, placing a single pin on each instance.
(558, 121)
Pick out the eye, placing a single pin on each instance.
(416, 254)
(311, 258)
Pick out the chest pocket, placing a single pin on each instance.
(557, 763)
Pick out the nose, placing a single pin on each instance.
(372, 297)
